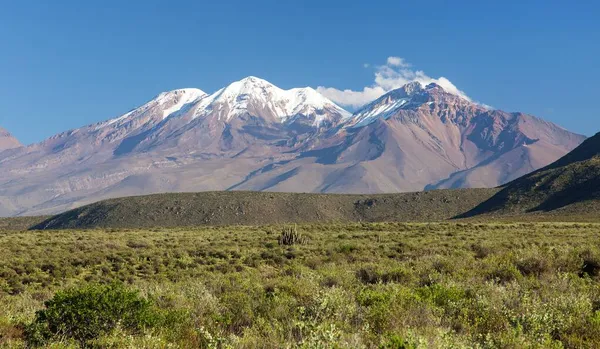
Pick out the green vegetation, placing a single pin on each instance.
(260, 208)
(84, 314)
(376, 285)
(20, 223)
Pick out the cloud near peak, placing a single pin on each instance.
(397, 62)
(392, 75)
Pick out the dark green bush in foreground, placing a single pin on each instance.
(86, 313)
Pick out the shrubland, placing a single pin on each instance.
(378, 285)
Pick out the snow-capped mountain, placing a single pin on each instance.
(252, 135)
(409, 96)
(261, 98)
(7, 141)
(249, 115)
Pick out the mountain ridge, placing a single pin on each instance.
(566, 185)
(252, 135)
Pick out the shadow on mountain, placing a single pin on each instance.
(128, 144)
(571, 183)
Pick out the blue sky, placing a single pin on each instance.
(66, 64)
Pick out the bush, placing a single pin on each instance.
(591, 264)
(535, 266)
(481, 251)
(397, 342)
(441, 296)
(84, 314)
(369, 275)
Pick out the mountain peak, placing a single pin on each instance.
(7, 141)
(246, 86)
(257, 96)
(412, 88)
(254, 80)
(412, 95)
(189, 92)
(416, 87)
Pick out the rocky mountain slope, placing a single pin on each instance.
(252, 135)
(420, 137)
(569, 185)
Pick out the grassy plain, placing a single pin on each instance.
(376, 285)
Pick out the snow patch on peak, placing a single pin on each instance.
(179, 93)
(181, 98)
(170, 102)
(238, 91)
(384, 109)
(239, 96)
(307, 97)
(388, 104)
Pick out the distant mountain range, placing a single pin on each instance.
(252, 135)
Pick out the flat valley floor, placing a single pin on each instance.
(380, 285)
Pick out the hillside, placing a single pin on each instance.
(250, 208)
(20, 223)
(569, 186)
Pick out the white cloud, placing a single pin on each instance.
(366, 65)
(394, 74)
(352, 98)
(397, 62)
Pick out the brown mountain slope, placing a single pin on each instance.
(260, 208)
(569, 185)
(417, 138)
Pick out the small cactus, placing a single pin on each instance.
(290, 236)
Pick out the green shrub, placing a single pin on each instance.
(441, 295)
(397, 342)
(86, 313)
(347, 248)
(378, 309)
(501, 270)
(535, 266)
(481, 251)
(368, 275)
